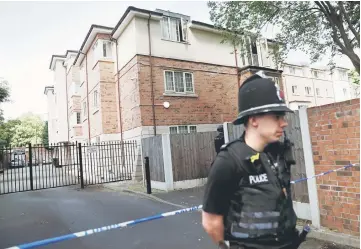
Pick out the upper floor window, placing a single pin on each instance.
(102, 50)
(318, 91)
(179, 82)
(308, 90)
(292, 70)
(315, 74)
(174, 29)
(342, 75)
(294, 90)
(95, 98)
(345, 92)
(78, 117)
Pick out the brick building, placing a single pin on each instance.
(125, 77)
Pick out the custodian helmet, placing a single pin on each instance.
(257, 95)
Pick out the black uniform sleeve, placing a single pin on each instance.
(221, 184)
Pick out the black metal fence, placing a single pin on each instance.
(37, 167)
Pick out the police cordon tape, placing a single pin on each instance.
(44, 242)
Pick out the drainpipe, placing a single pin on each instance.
(119, 103)
(151, 76)
(118, 88)
(236, 59)
(67, 105)
(87, 92)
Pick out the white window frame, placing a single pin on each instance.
(308, 93)
(180, 23)
(95, 99)
(344, 92)
(188, 129)
(318, 92)
(184, 82)
(292, 70)
(78, 117)
(296, 90)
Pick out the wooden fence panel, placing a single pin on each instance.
(153, 148)
(192, 155)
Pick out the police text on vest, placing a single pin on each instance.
(258, 178)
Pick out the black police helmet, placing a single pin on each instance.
(220, 128)
(259, 95)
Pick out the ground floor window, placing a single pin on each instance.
(182, 129)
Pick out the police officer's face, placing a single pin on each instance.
(271, 126)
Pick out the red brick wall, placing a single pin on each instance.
(215, 89)
(335, 136)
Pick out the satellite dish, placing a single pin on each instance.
(166, 104)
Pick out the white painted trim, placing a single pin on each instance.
(310, 167)
(167, 162)
(225, 132)
(190, 183)
(303, 210)
(158, 185)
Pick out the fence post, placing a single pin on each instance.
(147, 175)
(31, 166)
(310, 167)
(81, 166)
(167, 159)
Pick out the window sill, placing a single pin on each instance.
(190, 95)
(181, 42)
(295, 94)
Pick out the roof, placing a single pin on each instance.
(93, 28)
(47, 88)
(128, 10)
(116, 31)
(54, 58)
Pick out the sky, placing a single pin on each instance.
(31, 32)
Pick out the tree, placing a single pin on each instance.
(355, 78)
(7, 131)
(45, 136)
(315, 27)
(29, 131)
(4, 95)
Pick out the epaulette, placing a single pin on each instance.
(224, 146)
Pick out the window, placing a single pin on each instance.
(78, 117)
(102, 49)
(95, 98)
(292, 70)
(327, 92)
(179, 82)
(308, 90)
(183, 129)
(342, 75)
(294, 90)
(84, 110)
(345, 92)
(315, 74)
(97, 140)
(174, 29)
(318, 92)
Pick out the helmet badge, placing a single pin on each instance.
(280, 93)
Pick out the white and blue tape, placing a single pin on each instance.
(44, 242)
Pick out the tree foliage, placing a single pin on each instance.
(315, 27)
(45, 136)
(30, 130)
(7, 131)
(4, 95)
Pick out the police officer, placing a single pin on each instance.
(219, 139)
(247, 201)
